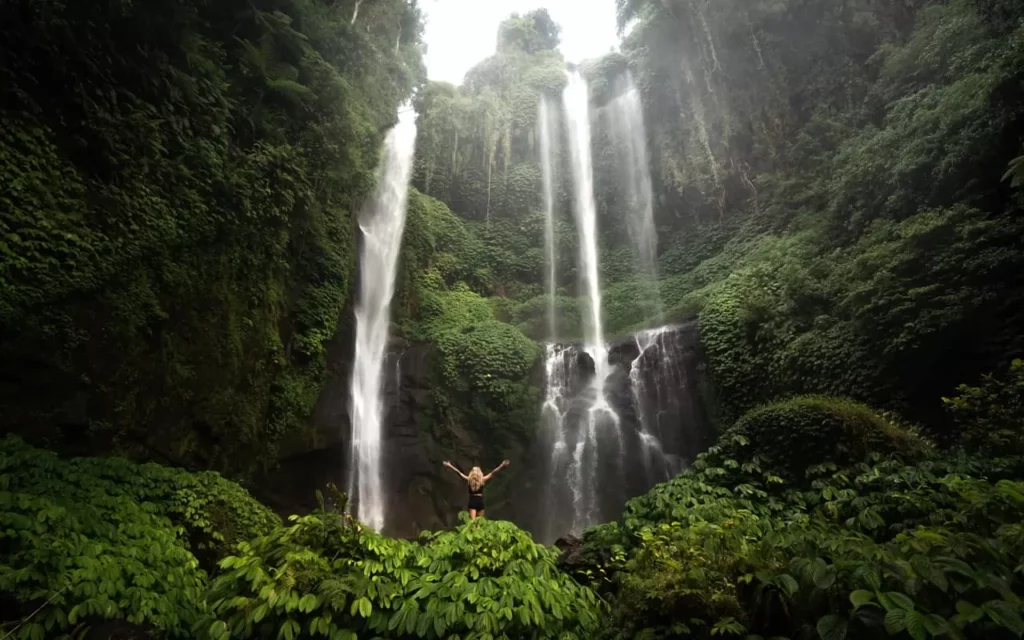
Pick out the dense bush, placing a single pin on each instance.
(871, 321)
(991, 414)
(870, 550)
(102, 538)
(326, 575)
(795, 434)
(481, 378)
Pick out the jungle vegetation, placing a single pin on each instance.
(839, 202)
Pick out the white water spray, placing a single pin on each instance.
(382, 222)
(626, 118)
(656, 465)
(577, 113)
(584, 466)
(545, 121)
(560, 373)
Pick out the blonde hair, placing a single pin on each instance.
(476, 479)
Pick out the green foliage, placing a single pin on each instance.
(95, 539)
(792, 435)
(991, 415)
(871, 321)
(484, 365)
(477, 147)
(631, 304)
(815, 517)
(484, 357)
(214, 513)
(531, 316)
(179, 182)
(326, 575)
(444, 310)
(530, 33)
(831, 193)
(868, 550)
(482, 375)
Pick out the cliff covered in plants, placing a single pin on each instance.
(839, 182)
(836, 190)
(178, 184)
(838, 202)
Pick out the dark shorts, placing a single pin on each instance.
(476, 503)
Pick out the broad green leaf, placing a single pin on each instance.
(895, 621)
(860, 597)
(832, 627)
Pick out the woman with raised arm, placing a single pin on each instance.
(476, 481)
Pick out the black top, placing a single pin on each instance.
(479, 492)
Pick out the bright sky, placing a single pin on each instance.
(461, 33)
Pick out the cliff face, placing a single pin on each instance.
(657, 389)
(658, 396)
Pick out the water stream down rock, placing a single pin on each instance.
(420, 494)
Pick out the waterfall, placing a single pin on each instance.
(653, 391)
(561, 375)
(625, 114)
(382, 222)
(697, 111)
(657, 467)
(545, 121)
(600, 420)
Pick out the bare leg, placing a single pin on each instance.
(480, 513)
(472, 514)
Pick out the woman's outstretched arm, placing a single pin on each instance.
(452, 467)
(496, 470)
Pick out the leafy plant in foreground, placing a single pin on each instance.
(870, 551)
(325, 575)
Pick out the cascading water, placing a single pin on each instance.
(600, 420)
(546, 118)
(657, 467)
(562, 375)
(625, 115)
(382, 222)
(653, 390)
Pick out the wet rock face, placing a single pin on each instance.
(424, 495)
(657, 391)
(419, 495)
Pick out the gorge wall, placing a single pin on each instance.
(421, 494)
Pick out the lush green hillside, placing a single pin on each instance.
(886, 537)
(899, 545)
(838, 199)
(179, 184)
(837, 190)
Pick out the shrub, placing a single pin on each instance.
(804, 431)
(96, 539)
(326, 575)
(485, 368)
(868, 551)
(486, 357)
(213, 513)
(991, 415)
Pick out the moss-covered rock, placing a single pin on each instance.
(804, 431)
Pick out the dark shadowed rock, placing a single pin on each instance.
(423, 495)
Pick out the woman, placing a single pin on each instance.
(476, 481)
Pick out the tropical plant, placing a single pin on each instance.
(327, 575)
(95, 539)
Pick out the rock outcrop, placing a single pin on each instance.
(423, 495)
(659, 391)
